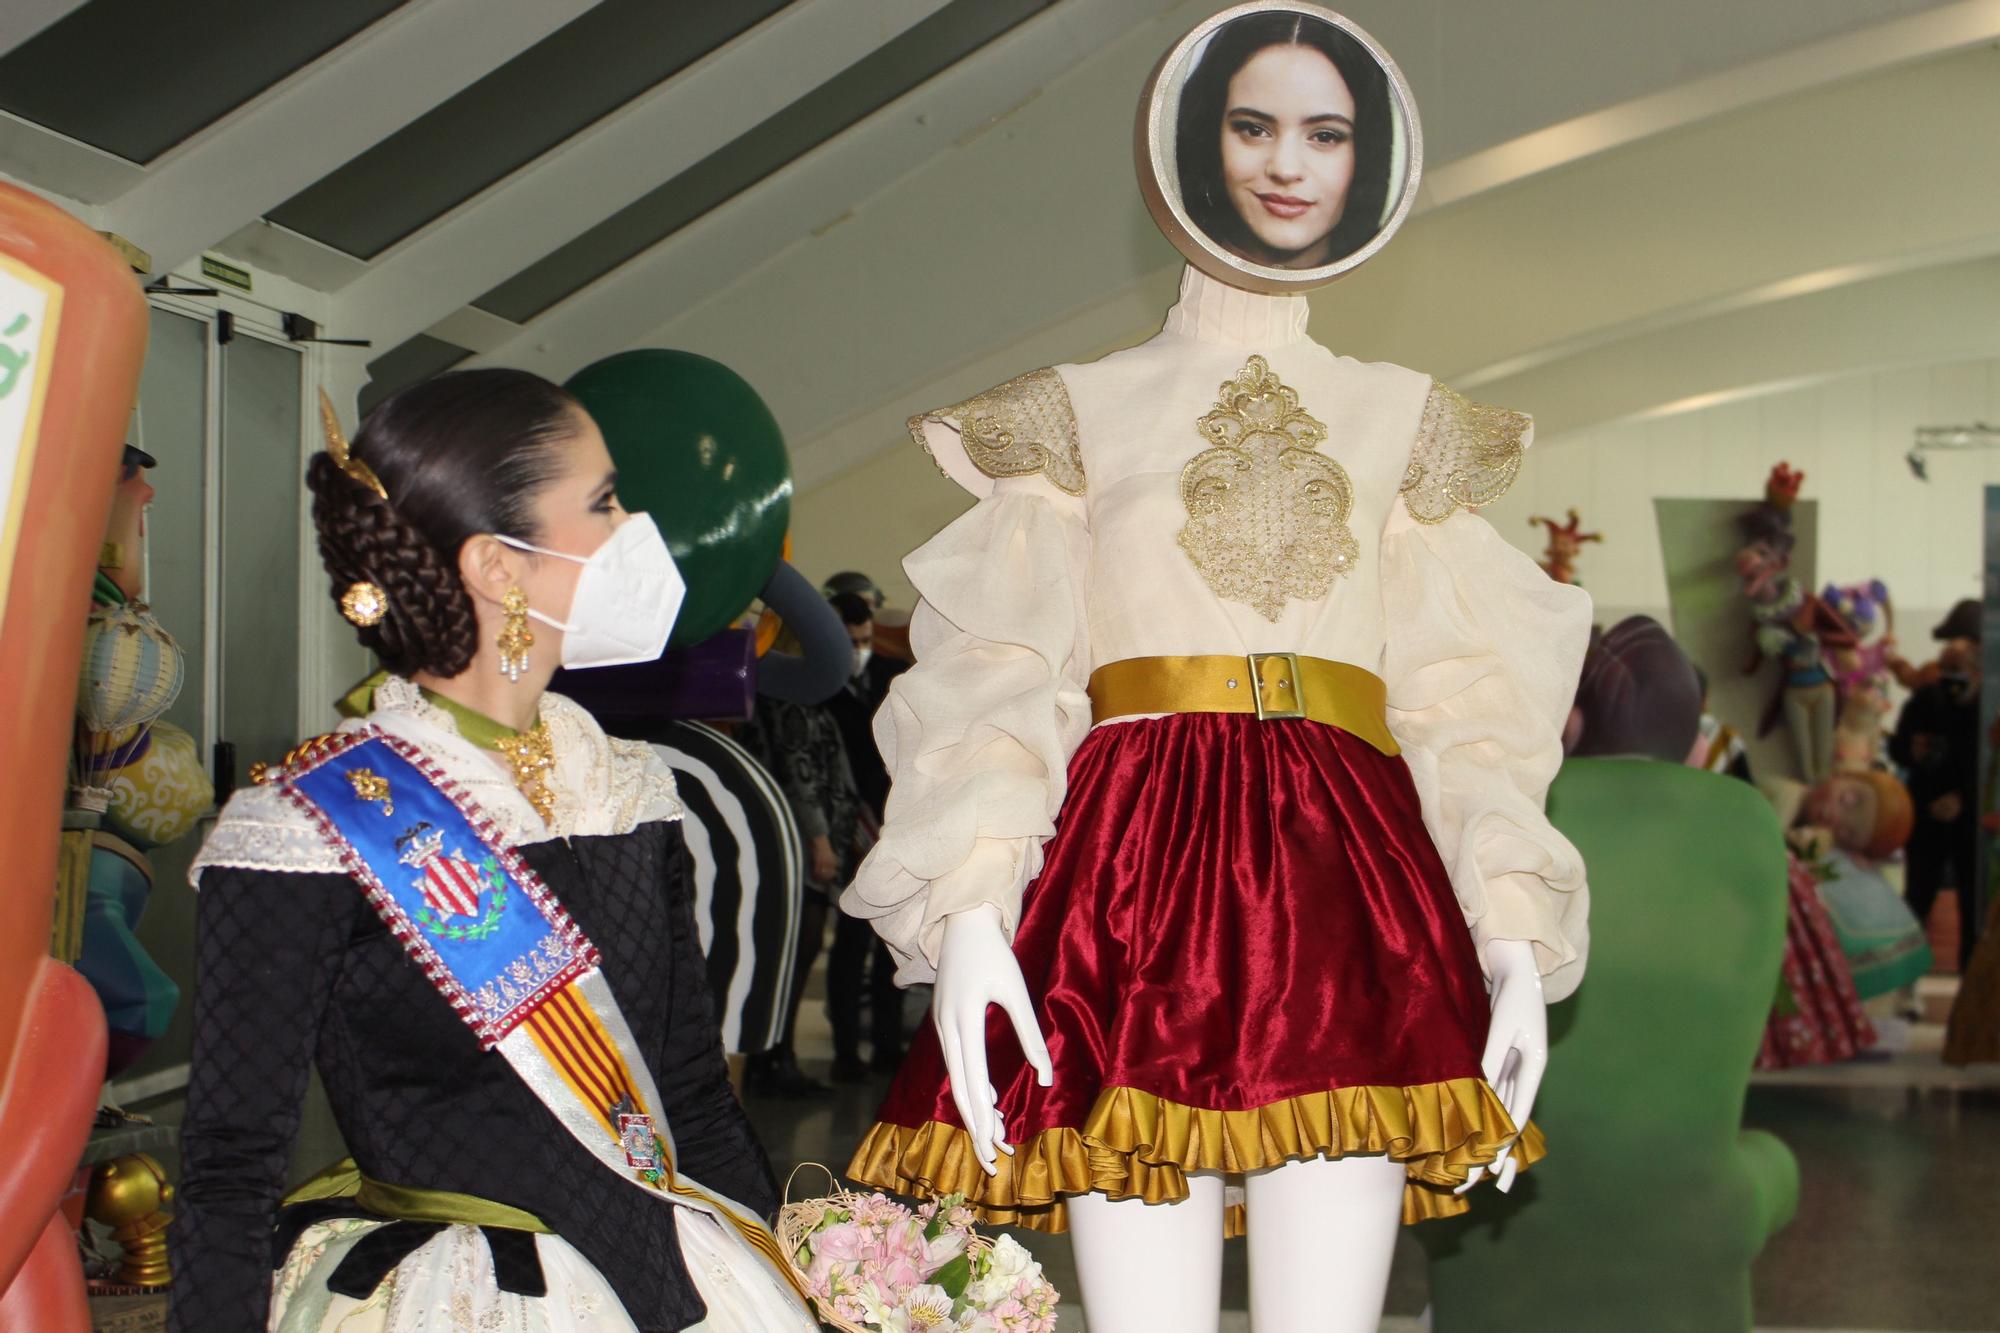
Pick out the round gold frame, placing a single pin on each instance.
(1153, 146)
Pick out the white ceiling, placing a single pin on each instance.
(987, 220)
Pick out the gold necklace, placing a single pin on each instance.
(533, 757)
(531, 753)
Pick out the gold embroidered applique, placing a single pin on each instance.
(1467, 454)
(1267, 512)
(1016, 429)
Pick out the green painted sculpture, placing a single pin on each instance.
(698, 450)
(1653, 1201)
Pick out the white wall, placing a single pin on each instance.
(1849, 436)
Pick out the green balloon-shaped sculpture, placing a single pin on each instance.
(697, 449)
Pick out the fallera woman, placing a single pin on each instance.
(470, 910)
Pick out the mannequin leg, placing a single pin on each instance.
(1321, 1237)
(1150, 1268)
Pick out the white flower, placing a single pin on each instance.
(1010, 1261)
(923, 1309)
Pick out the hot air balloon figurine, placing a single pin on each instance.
(131, 674)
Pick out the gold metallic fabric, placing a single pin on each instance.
(1017, 429)
(1137, 1145)
(1275, 686)
(1467, 455)
(408, 1203)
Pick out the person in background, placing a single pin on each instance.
(861, 962)
(801, 746)
(1937, 745)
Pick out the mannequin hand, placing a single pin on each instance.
(976, 967)
(1517, 1045)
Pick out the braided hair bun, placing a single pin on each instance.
(459, 455)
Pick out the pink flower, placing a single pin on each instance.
(944, 1249)
(879, 1209)
(1012, 1317)
(842, 1242)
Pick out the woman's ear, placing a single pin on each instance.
(1572, 730)
(487, 568)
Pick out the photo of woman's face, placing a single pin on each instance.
(1278, 145)
(1288, 154)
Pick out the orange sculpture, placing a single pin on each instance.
(72, 337)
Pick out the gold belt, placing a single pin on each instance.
(1275, 686)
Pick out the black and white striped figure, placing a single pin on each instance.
(748, 870)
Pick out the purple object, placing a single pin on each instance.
(711, 681)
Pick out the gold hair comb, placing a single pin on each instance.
(336, 448)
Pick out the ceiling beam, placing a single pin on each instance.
(1902, 41)
(275, 145)
(21, 20)
(595, 173)
(814, 194)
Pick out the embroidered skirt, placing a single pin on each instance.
(1245, 951)
(449, 1283)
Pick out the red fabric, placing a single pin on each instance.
(1825, 1023)
(1231, 913)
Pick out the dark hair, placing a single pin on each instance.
(1198, 127)
(460, 455)
(853, 610)
(1639, 694)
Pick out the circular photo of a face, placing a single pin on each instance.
(1278, 146)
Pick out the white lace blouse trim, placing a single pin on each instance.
(603, 786)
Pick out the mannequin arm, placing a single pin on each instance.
(976, 968)
(1517, 1044)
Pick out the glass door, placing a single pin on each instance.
(257, 538)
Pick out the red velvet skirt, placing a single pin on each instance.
(1244, 950)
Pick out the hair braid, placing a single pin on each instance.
(430, 624)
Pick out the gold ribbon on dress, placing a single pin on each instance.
(412, 1203)
(1135, 1145)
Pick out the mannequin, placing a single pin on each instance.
(1217, 783)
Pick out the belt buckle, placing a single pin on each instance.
(1287, 687)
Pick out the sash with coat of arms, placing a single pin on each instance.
(499, 948)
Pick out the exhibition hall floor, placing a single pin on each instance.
(1899, 1203)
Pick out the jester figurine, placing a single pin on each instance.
(1791, 625)
(1566, 542)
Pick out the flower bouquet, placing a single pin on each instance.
(873, 1265)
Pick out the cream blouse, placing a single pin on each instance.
(1229, 486)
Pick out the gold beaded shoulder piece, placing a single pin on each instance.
(1467, 455)
(1267, 511)
(1017, 429)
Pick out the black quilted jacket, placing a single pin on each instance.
(293, 969)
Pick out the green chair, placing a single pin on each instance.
(1653, 1201)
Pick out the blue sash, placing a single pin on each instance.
(497, 944)
(466, 907)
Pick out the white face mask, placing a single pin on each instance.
(626, 598)
(861, 656)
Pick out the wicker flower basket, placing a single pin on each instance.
(798, 1221)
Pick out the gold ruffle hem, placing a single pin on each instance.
(1137, 1145)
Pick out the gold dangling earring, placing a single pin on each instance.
(515, 636)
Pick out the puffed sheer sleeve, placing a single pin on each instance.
(1482, 659)
(978, 734)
